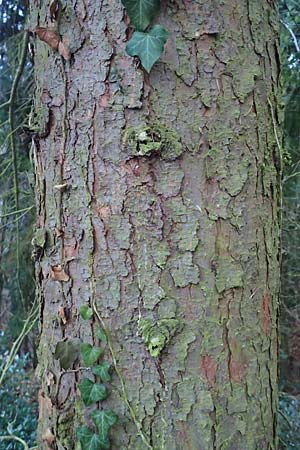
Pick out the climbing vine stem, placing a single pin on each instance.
(118, 372)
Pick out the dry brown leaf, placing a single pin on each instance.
(63, 48)
(54, 9)
(62, 314)
(58, 273)
(49, 36)
(58, 233)
(50, 379)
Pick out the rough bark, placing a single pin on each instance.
(190, 232)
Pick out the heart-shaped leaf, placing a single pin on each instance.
(100, 333)
(66, 352)
(92, 441)
(86, 312)
(92, 392)
(104, 420)
(141, 12)
(102, 371)
(148, 46)
(90, 354)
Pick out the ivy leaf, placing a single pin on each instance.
(92, 392)
(104, 420)
(86, 312)
(66, 352)
(100, 333)
(141, 12)
(91, 441)
(102, 371)
(148, 46)
(90, 354)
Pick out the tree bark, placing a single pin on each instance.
(183, 239)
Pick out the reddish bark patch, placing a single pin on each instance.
(104, 100)
(237, 370)
(183, 435)
(209, 369)
(266, 312)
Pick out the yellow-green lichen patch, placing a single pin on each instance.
(229, 275)
(147, 140)
(39, 237)
(157, 334)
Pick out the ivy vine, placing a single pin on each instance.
(147, 45)
(95, 391)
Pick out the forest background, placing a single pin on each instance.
(18, 306)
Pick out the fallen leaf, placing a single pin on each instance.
(49, 36)
(57, 232)
(62, 315)
(63, 48)
(54, 9)
(58, 273)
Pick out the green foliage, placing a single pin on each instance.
(102, 371)
(104, 420)
(288, 421)
(92, 441)
(90, 354)
(148, 46)
(67, 353)
(289, 405)
(18, 400)
(86, 312)
(141, 12)
(17, 288)
(100, 333)
(92, 392)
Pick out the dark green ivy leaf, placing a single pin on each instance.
(148, 46)
(91, 441)
(100, 333)
(92, 392)
(104, 420)
(86, 312)
(102, 371)
(66, 352)
(90, 354)
(141, 12)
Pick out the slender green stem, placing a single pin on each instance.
(12, 213)
(12, 437)
(11, 118)
(27, 327)
(119, 374)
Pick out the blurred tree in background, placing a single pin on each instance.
(290, 275)
(17, 287)
(18, 405)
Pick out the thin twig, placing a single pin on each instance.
(292, 34)
(12, 213)
(11, 117)
(12, 437)
(27, 327)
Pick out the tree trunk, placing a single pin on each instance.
(159, 207)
